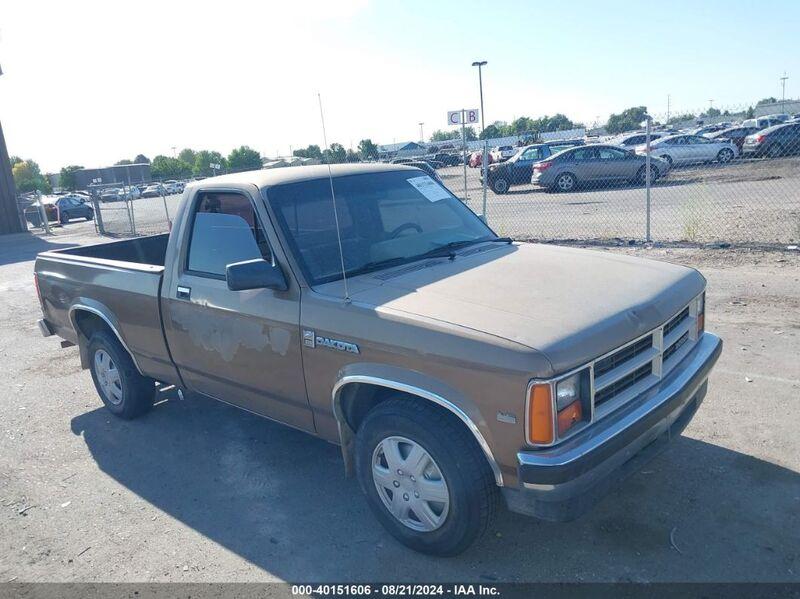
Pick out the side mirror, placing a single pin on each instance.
(255, 274)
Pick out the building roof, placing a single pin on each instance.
(279, 176)
(403, 145)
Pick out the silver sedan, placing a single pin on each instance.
(691, 149)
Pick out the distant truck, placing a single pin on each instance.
(368, 306)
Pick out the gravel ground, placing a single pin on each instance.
(199, 491)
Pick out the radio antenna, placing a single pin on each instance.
(333, 198)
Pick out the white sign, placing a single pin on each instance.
(216, 167)
(429, 188)
(471, 116)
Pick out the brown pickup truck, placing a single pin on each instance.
(369, 306)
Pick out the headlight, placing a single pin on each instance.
(556, 408)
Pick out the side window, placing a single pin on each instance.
(225, 229)
(583, 154)
(610, 154)
(532, 154)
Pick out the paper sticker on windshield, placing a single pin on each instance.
(429, 188)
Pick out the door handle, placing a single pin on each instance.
(184, 292)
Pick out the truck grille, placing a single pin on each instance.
(628, 371)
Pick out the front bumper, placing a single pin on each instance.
(562, 482)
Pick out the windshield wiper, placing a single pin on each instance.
(448, 249)
(379, 264)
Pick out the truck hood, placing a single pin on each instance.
(571, 305)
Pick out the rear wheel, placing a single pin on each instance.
(565, 182)
(124, 391)
(424, 476)
(90, 215)
(63, 218)
(668, 159)
(725, 155)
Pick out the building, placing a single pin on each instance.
(123, 174)
(406, 149)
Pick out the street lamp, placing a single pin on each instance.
(783, 92)
(480, 64)
(421, 136)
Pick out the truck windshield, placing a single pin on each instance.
(385, 219)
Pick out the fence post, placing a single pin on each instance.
(647, 181)
(43, 212)
(166, 210)
(98, 214)
(484, 167)
(131, 216)
(464, 152)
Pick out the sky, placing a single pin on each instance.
(90, 83)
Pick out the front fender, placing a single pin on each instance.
(417, 384)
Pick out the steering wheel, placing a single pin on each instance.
(395, 232)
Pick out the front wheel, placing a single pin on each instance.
(500, 186)
(124, 391)
(641, 176)
(668, 159)
(425, 478)
(725, 155)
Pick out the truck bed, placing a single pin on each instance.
(117, 282)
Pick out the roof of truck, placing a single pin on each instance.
(293, 174)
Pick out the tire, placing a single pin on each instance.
(90, 216)
(725, 155)
(641, 175)
(455, 469)
(565, 182)
(774, 151)
(126, 393)
(500, 185)
(668, 159)
(63, 218)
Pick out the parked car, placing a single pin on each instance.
(454, 368)
(111, 194)
(68, 208)
(500, 153)
(449, 158)
(153, 190)
(630, 141)
(518, 169)
(710, 128)
(779, 140)
(763, 122)
(734, 134)
(130, 192)
(691, 149)
(476, 160)
(171, 187)
(595, 163)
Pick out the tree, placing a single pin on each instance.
(188, 155)
(312, 151)
(712, 112)
(165, 167)
(493, 131)
(367, 150)
(335, 155)
(141, 159)
(244, 158)
(28, 177)
(469, 133)
(352, 156)
(750, 113)
(66, 178)
(440, 135)
(122, 162)
(203, 159)
(680, 118)
(769, 100)
(628, 120)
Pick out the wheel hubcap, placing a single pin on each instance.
(410, 484)
(565, 182)
(108, 376)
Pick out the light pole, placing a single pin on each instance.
(783, 92)
(480, 64)
(668, 101)
(421, 136)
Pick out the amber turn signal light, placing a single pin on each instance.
(540, 415)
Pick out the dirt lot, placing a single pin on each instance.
(198, 491)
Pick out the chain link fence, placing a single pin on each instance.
(708, 182)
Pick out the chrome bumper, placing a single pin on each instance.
(561, 482)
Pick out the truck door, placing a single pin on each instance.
(241, 347)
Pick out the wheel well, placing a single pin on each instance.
(88, 323)
(357, 399)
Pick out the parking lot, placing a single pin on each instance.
(743, 202)
(199, 491)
